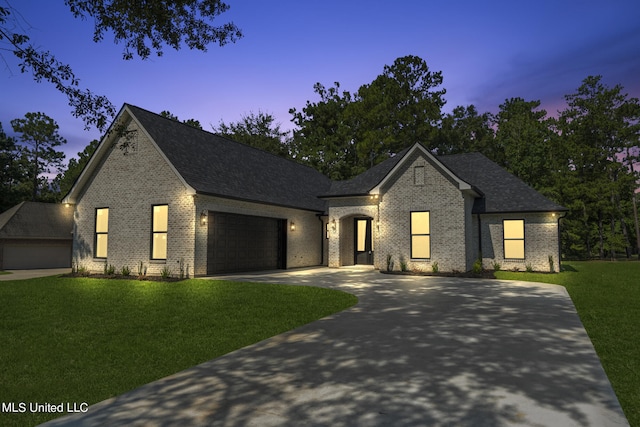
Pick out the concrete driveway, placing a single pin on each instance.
(415, 351)
(30, 274)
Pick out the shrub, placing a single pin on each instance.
(125, 271)
(111, 270)
(403, 264)
(552, 268)
(529, 268)
(496, 266)
(477, 266)
(434, 267)
(142, 270)
(165, 273)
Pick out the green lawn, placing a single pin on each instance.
(607, 297)
(85, 340)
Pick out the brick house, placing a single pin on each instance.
(173, 197)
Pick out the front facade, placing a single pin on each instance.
(160, 196)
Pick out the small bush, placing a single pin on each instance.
(529, 268)
(403, 264)
(165, 273)
(434, 267)
(552, 268)
(496, 266)
(125, 271)
(477, 266)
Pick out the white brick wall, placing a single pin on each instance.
(450, 213)
(129, 185)
(540, 241)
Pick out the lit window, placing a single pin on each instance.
(513, 238)
(160, 223)
(102, 232)
(420, 235)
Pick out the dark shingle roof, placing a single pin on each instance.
(35, 220)
(218, 166)
(503, 192)
(363, 183)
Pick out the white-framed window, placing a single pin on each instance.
(420, 235)
(101, 239)
(513, 230)
(159, 231)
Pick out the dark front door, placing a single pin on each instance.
(243, 243)
(363, 241)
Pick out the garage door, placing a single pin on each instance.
(239, 243)
(25, 256)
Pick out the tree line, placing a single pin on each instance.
(586, 158)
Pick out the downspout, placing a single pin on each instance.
(560, 243)
(480, 236)
(322, 237)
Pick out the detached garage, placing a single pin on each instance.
(36, 235)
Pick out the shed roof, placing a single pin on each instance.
(36, 220)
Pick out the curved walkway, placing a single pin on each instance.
(415, 351)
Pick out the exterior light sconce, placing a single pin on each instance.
(292, 226)
(203, 217)
(333, 225)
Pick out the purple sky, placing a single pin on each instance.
(487, 51)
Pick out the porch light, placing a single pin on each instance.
(203, 217)
(333, 224)
(292, 226)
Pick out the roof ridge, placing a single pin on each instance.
(242, 144)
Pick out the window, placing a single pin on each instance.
(420, 235)
(102, 233)
(513, 238)
(159, 223)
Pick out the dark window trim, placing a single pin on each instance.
(524, 238)
(411, 234)
(96, 233)
(160, 232)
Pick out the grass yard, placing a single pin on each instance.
(607, 297)
(85, 340)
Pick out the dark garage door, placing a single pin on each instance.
(32, 255)
(245, 243)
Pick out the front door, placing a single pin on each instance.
(363, 241)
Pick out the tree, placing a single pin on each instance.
(524, 135)
(191, 122)
(465, 130)
(598, 127)
(39, 139)
(66, 179)
(259, 131)
(324, 138)
(12, 172)
(346, 134)
(143, 27)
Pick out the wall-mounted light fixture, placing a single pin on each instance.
(292, 226)
(333, 225)
(203, 217)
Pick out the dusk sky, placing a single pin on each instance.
(487, 51)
